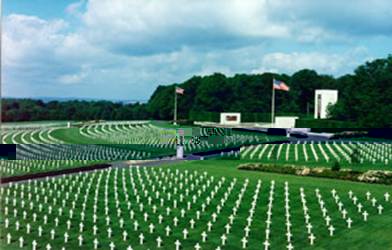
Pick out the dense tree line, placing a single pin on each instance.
(35, 110)
(364, 98)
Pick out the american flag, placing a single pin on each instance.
(280, 85)
(179, 91)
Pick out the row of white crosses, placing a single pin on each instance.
(268, 221)
(76, 152)
(249, 220)
(148, 134)
(63, 198)
(211, 222)
(371, 152)
(15, 167)
(79, 238)
(307, 217)
(287, 215)
(30, 135)
(341, 208)
(324, 212)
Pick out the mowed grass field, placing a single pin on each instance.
(126, 195)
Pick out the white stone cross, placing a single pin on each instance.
(48, 247)
(66, 236)
(178, 244)
(290, 246)
(197, 246)
(244, 242)
(160, 219)
(209, 226)
(204, 236)
(185, 233)
(95, 242)
(266, 244)
(167, 229)
(331, 230)
(141, 238)
(159, 242)
(145, 216)
(309, 226)
(327, 220)
(227, 227)
(9, 238)
(365, 215)
(52, 233)
(21, 240)
(386, 196)
(135, 225)
(247, 230)
(344, 213)
(112, 246)
(312, 238)
(359, 206)
(380, 208)
(80, 238)
(349, 222)
(151, 227)
(34, 244)
(124, 234)
(28, 228)
(223, 239)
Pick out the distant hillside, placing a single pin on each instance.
(364, 99)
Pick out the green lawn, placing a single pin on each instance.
(126, 184)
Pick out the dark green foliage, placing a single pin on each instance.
(364, 100)
(336, 166)
(355, 155)
(35, 110)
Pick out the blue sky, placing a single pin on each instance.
(124, 49)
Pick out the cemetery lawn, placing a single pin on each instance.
(375, 233)
(370, 235)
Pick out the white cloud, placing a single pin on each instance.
(75, 8)
(327, 63)
(135, 45)
(28, 36)
(147, 26)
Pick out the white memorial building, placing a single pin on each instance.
(323, 98)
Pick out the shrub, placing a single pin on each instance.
(335, 166)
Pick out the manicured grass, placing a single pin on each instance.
(144, 182)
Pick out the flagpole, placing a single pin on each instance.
(175, 106)
(273, 103)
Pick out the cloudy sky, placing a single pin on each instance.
(124, 49)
